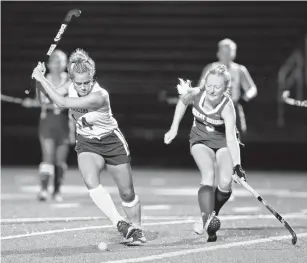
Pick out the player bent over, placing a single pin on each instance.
(99, 142)
(213, 141)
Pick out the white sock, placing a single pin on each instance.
(133, 211)
(103, 200)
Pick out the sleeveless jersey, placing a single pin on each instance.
(208, 122)
(234, 70)
(93, 123)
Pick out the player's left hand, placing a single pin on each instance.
(39, 72)
(286, 94)
(239, 172)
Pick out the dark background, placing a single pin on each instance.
(140, 49)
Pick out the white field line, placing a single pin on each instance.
(175, 222)
(90, 218)
(203, 249)
(91, 227)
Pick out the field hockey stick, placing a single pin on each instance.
(58, 37)
(268, 206)
(291, 101)
(11, 99)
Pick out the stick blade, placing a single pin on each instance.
(72, 12)
(294, 239)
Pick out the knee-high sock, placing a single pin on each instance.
(206, 201)
(104, 202)
(58, 177)
(46, 170)
(221, 198)
(133, 211)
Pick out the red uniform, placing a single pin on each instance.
(54, 123)
(208, 126)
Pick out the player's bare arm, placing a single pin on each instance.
(247, 84)
(179, 113)
(93, 100)
(229, 116)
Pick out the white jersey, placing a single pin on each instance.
(93, 123)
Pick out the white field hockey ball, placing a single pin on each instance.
(103, 246)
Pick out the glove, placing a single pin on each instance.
(239, 171)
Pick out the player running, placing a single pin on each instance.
(55, 130)
(99, 142)
(240, 78)
(213, 141)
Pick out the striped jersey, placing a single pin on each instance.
(93, 123)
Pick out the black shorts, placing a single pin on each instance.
(214, 140)
(204, 143)
(112, 147)
(54, 127)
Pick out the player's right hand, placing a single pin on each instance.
(239, 172)
(39, 71)
(169, 136)
(27, 103)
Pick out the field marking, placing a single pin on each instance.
(237, 192)
(91, 218)
(65, 205)
(156, 207)
(203, 249)
(157, 181)
(164, 191)
(186, 221)
(92, 227)
(246, 209)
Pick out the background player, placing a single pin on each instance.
(55, 129)
(213, 141)
(99, 141)
(240, 80)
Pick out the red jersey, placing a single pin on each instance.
(209, 126)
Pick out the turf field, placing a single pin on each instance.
(70, 231)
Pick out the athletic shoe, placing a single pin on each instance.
(57, 197)
(199, 227)
(212, 225)
(126, 229)
(137, 237)
(42, 196)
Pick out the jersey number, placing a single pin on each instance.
(84, 123)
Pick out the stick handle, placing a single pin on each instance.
(246, 186)
(293, 102)
(268, 206)
(11, 99)
(56, 40)
(258, 197)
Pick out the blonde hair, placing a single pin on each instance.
(61, 56)
(220, 70)
(80, 62)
